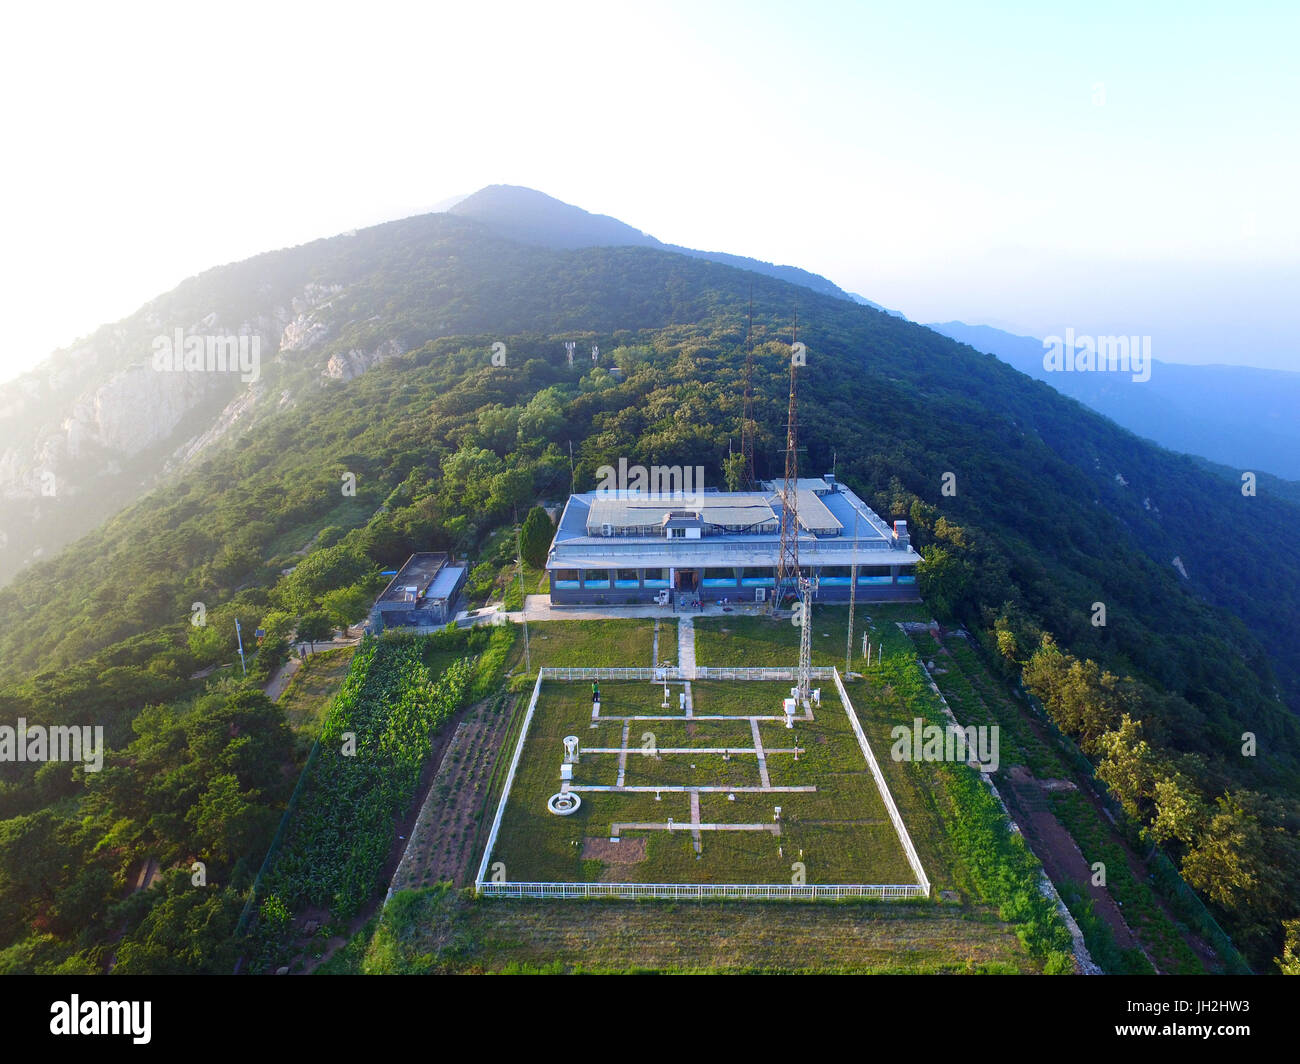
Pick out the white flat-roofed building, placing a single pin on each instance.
(615, 547)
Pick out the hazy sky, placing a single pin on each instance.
(1112, 170)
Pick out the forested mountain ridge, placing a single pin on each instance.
(1055, 508)
(533, 217)
(88, 430)
(1229, 414)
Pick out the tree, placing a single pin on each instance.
(209, 644)
(184, 930)
(943, 579)
(321, 570)
(1127, 766)
(277, 624)
(1225, 862)
(536, 537)
(1180, 809)
(733, 470)
(346, 605)
(315, 627)
(227, 820)
(543, 417)
(1289, 962)
(498, 428)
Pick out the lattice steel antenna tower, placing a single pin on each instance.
(787, 564)
(747, 425)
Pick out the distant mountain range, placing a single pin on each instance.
(1237, 416)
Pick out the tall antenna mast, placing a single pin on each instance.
(787, 570)
(787, 565)
(747, 423)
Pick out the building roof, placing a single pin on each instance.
(419, 572)
(630, 510)
(836, 528)
(814, 515)
(445, 583)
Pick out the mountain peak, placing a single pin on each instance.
(532, 217)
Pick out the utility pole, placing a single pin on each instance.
(853, 597)
(523, 602)
(239, 638)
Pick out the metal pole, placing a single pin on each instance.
(853, 595)
(240, 639)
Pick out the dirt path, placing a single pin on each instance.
(1055, 847)
(286, 672)
(1137, 866)
(1051, 843)
(444, 845)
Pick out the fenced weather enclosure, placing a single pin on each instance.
(631, 783)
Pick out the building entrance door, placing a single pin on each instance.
(687, 579)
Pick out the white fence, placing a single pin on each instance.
(883, 787)
(703, 672)
(549, 673)
(510, 780)
(771, 891)
(762, 891)
(674, 673)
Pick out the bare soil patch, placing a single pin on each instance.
(626, 851)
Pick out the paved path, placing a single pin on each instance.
(686, 787)
(622, 757)
(686, 648)
(617, 829)
(762, 754)
(728, 750)
(539, 608)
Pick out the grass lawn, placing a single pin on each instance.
(840, 831)
(312, 687)
(755, 640)
(445, 930)
(534, 584)
(957, 929)
(622, 644)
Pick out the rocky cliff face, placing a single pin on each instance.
(345, 365)
(86, 431)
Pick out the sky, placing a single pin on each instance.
(1029, 166)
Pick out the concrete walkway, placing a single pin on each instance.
(762, 754)
(539, 608)
(686, 647)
